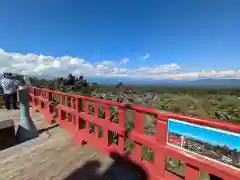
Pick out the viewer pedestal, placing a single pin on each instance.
(26, 129)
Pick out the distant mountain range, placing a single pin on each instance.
(215, 83)
(182, 83)
(235, 83)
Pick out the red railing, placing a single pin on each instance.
(74, 116)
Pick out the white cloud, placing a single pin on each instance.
(160, 69)
(37, 65)
(124, 61)
(145, 57)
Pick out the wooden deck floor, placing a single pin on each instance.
(51, 156)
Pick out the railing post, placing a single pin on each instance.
(121, 139)
(59, 110)
(137, 150)
(191, 173)
(77, 116)
(26, 129)
(96, 117)
(49, 108)
(160, 154)
(106, 134)
(34, 104)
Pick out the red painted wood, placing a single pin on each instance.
(156, 169)
(191, 173)
(160, 154)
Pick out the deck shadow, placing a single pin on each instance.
(122, 168)
(40, 131)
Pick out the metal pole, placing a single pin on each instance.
(26, 129)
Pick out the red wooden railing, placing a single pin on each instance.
(76, 119)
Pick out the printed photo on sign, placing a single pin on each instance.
(220, 145)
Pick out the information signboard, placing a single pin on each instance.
(220, 145)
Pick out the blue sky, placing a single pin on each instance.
(208, 135)
(181, 36)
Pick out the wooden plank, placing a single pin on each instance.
(6, 123)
